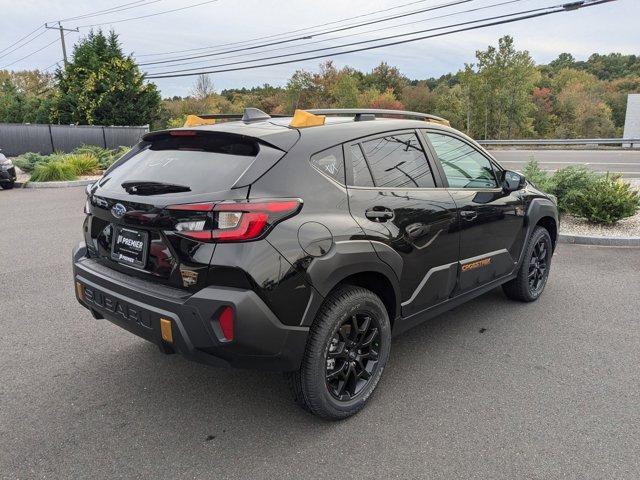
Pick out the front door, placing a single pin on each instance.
(393, 196)
(491, 224)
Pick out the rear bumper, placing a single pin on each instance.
(260, 340)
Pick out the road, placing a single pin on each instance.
(626, 162)
(494, 389)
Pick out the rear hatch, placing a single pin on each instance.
(150, 213)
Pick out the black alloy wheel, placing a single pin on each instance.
(538, 271)
(532, 275)
(345, 356)
(352, 356)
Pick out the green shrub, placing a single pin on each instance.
(83, 163)
(102, 155)
(537, 176)
(28, 161)
(607, 200)
(568, 184)
(53, 171)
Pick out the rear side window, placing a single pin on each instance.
(398, 161)
(204, 163)
(330, 162)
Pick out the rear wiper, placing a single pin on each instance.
(144, 187)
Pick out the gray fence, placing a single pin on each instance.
(17, 138)
(625, 142)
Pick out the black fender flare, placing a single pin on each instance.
(346, 258)
(539, 208)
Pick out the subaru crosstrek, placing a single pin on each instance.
(303, 244)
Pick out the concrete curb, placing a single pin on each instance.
(602, 241)
(71, 183)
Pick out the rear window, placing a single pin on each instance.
(204, 163)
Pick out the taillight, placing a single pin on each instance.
(233, 221)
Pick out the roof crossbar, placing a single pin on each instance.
(359, 113)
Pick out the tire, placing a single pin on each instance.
(336, 350)
(531, 280)
(7, 186)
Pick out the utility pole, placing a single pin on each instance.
(62, 30)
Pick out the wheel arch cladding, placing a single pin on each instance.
(543, 212)
(356, 263)
(551, 226)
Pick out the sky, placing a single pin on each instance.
(611, 27)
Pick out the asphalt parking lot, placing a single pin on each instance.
(493, 389)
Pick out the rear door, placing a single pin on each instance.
(491, 221)
(393, 195)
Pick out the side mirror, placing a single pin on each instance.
(512, 181)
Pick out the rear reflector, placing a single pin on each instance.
(225, 319)
(165, 329)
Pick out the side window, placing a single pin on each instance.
(361, 173)
(463, 165)
(330, 162)
(398, 161)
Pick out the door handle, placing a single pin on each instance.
(380, 215)
(468, 214)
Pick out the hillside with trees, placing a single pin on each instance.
(503, 93)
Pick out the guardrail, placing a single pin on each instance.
(627, 142)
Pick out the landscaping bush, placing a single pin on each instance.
(568, 184)
(102, 155)
(540, 179)
(28, 161)
(83, 163)
(607, 200)
(52, 171)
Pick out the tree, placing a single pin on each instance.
(102, 86)
(501, 91)
(418, 98)
(203, 88)
(385, 77)
(345, 92)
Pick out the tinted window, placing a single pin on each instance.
(361, 173)
(330, 163)
(398, 161)
(463, 165)
(204, 163)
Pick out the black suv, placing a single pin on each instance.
(303, 244)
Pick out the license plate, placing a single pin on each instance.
(129, 247)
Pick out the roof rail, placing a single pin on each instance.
(249, 115)
(361, 113)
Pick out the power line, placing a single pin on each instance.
(438, 17)
(28, 55)
(361, 42)
(280, 34)
(147, 16)
(309, 36)
(117, 8)
(20, 39)
(549, 11)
